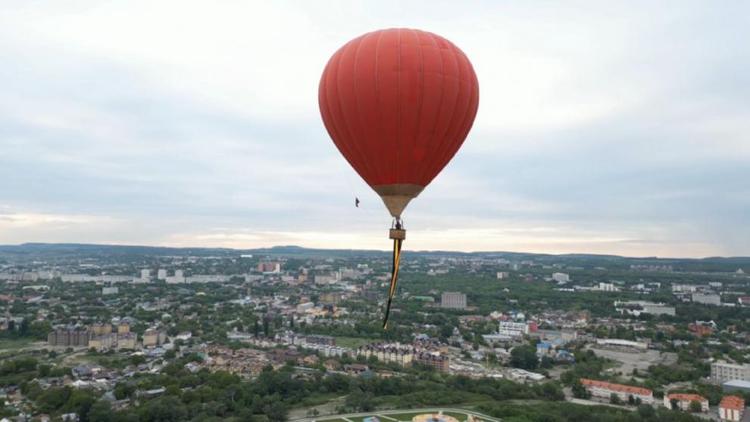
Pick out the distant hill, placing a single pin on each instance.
(49, 250)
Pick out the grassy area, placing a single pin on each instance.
(460, 416)
(353, 342)
(110, 361)
(317, 399)
(15, 343)
(407, 416)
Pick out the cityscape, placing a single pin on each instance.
(374, 211)
(95, 331)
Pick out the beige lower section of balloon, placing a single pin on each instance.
(397, 196)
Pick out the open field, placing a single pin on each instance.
(12, 345)
(353, 342)
(635, 360)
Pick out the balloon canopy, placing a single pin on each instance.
(398, 104)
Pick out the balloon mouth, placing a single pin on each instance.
(397, 196)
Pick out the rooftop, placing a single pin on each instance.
(732, 402)
(686, 397)
(617, 387)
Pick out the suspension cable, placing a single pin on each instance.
(398, 234)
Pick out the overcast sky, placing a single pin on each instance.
(603, 127)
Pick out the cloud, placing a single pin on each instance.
(602, 127)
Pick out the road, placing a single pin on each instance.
(383, 414)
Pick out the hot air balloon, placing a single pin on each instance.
(398, 103)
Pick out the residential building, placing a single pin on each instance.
(328, 278)
(126, 341)
(684, 288)
(707, 298)
(731, 408)
(161, 274)
(683, 401)
(319, 339)
(561, 277)
(69, 337)
(607, 287)
(405, 355)
(605, 390)
(434, 360)
(700, 329)
(153, 337)
(178, 278)
(453, 300)
(269, 267)
(503, 275)
(100, 329)
(102, 342)
(112, 290)
(637, 307)
(513, 329)
(722, 372)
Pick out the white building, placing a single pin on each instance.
(178, 278)
(684, 400)
(207, 278)
(637, 307)
(161, 274)
(607, 287)
(453, 300)
(731, 408)
(110, 291)
(76, 278)
(684, 288)
(332, 278)
(722, 372)
(561, 277)
(512, 329)
(707, 298)
(605, 390)
(502, 275)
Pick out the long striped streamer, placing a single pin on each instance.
(394, 278)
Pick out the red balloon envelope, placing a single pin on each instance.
(398, 104)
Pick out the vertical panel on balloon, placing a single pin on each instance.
(432, 97)
(369, 116)
(387, 81)
(410, 103)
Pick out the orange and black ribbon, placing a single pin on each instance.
(394, 278)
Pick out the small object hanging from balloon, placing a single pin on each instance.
(398, 104)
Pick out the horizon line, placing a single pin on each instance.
(569, 254)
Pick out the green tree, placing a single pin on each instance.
(579, 391)
(80, 402)
(646, 411)
(101, 411)
(614, 399)
(695, 406)
(524, 357)
(163, 409)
